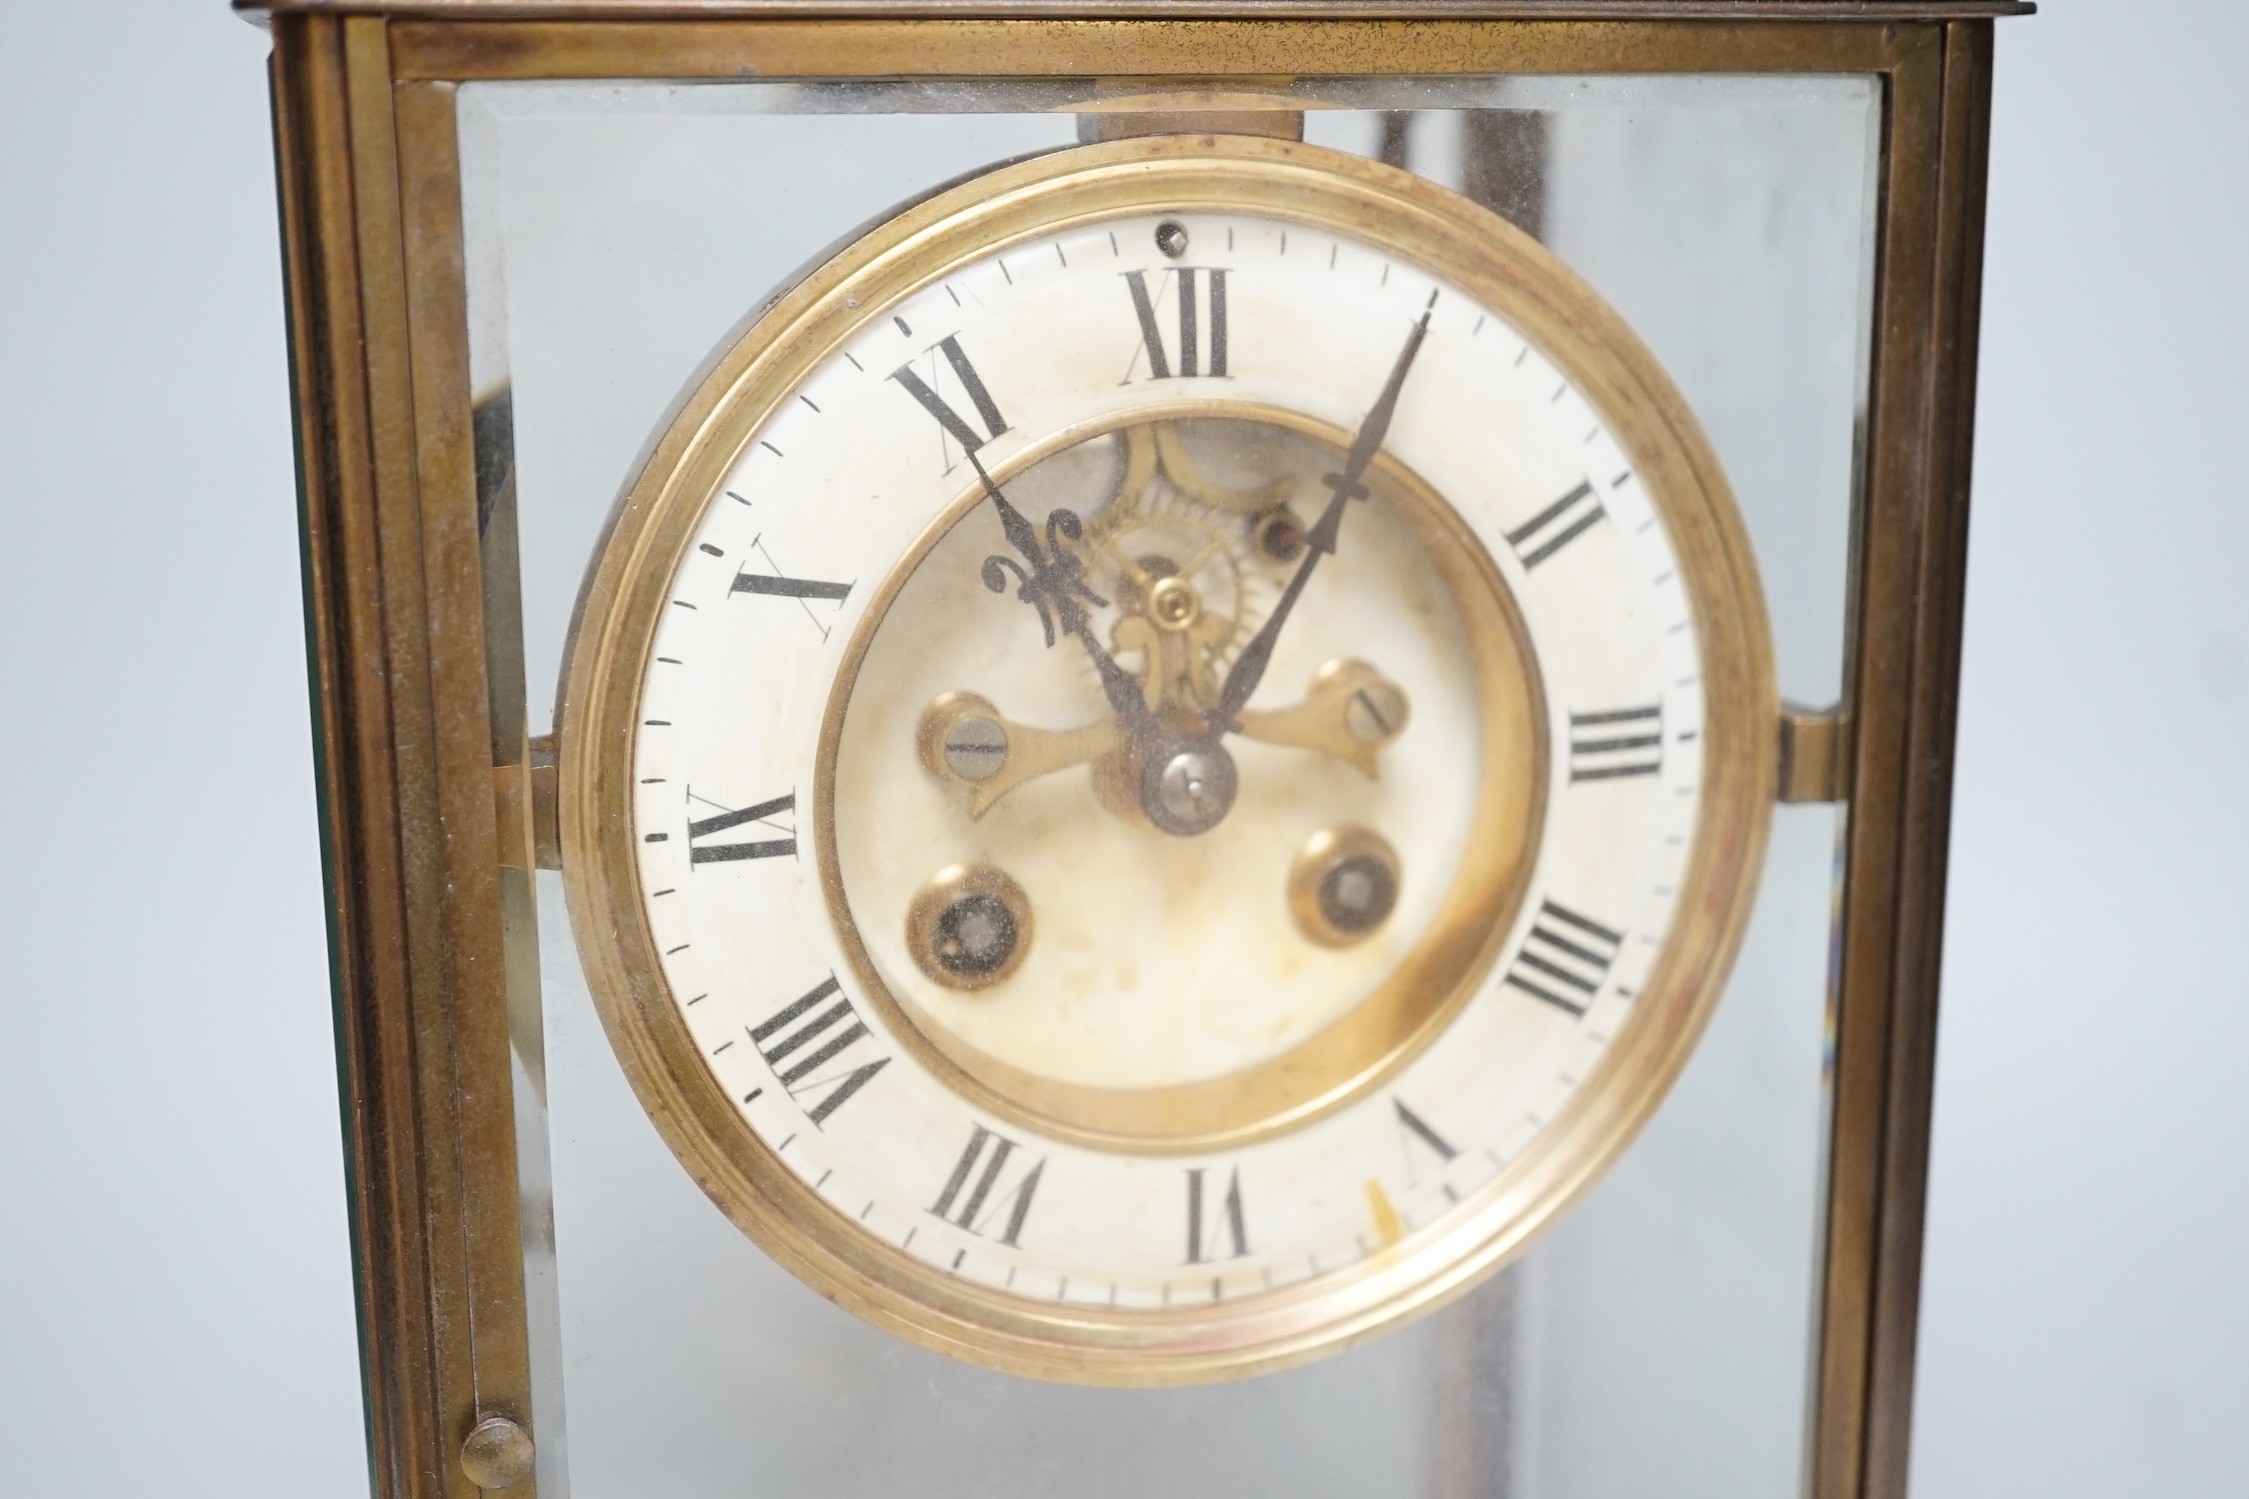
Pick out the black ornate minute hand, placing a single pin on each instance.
(1249, 667)
(1055, 585)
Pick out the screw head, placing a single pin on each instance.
(1189, 789)
(1171, 238)
(497, 1453)
(975, 748)
(1172, 604)
(1375, 713)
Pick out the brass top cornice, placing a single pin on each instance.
(1151, 10)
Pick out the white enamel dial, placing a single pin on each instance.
(1012, 977)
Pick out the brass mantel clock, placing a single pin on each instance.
(1168, 628)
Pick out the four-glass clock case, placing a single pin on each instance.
(1617, 391)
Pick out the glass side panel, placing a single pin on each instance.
(1658, 1341)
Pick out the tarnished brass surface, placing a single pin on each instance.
(1899, 700)
(1164, 46)
(1583, 10)
(395, 584)
(497, 1453)
(1814, 755)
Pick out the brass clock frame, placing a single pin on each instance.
(408, 547)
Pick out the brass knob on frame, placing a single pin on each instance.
(497, 1453)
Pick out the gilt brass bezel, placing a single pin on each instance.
(1451, 238)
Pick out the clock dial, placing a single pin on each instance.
(1172, 759)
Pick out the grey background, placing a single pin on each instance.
(175, 1309)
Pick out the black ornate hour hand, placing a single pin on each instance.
(1052, 580)
(1249, 667)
